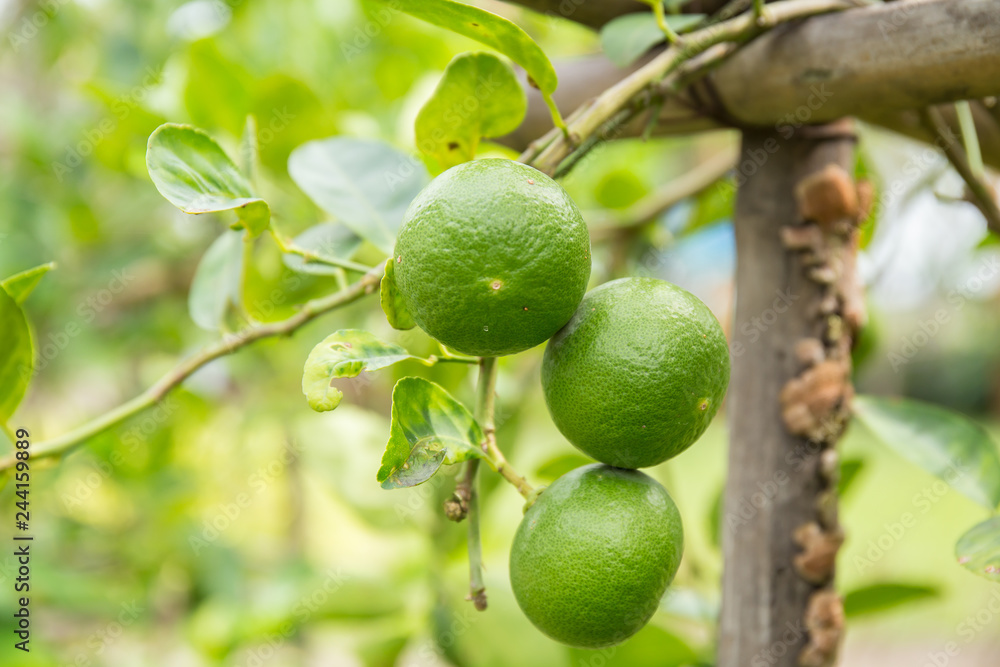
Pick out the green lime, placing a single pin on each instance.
(638, 373)
(594, 555)
(492, 258)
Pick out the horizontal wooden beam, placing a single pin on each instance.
(877, 63)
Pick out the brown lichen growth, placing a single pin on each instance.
(810, 351)
(819, 552)
(825, 624)
(828, 196)
(814, 400)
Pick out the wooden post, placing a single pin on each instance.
(797, 307)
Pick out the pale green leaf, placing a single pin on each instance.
(16, 355)
(20, 285)
(883, 597)
(489, 29)
(392, 301)
(217, 286)
(942, 442)
(626, 38)
(978, 550)
(327, 239)
(367, 185)
(478, 96)
(194, 174)
(344, 354)
(429, 429)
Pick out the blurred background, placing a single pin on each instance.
(233, 526)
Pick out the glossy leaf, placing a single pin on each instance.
(626, 38)
(849, 470)
(344, 354)
(942, 442)
(883, 597)
(17, 357)
(978, 551)
(327, 239)
(650, 647)
(217, 285)
(555, 468)
(429, 429)
(489, 29)
(20, 285)
(367, 185)
(712, 205)
(194, 174)
(479, 96)
(392, 301)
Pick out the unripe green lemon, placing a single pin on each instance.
(492, 258)
(594, 555)
(638, 373)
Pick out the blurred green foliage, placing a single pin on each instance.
(231, 525)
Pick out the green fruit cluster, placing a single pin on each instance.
(493, 258)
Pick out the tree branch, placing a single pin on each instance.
(983, 196)
(310, 310)
(549, 151)
(880, 63)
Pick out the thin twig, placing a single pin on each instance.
(592, 116)
(310, 310)
(310, 256)
(983, 196)
(494, 456)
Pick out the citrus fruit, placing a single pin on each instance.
(637, 374)
(594, 555)
(492, 257)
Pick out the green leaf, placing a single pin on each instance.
(17, 355)
(479, 96)
(20, 285)
(882, 597)
(194, 174)
(392, 301)
(327, 239)
(217, 285)
(978, 551)
(367, 185)
(555, 468)
(849, 469)
(344, 354)
(217, 91)
(429, 429)
(626, 38)
(942, 442)
(650, 647)
(712, 205)
(489, 29)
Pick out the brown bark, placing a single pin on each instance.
(796, 306)
(595, 13)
